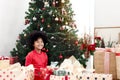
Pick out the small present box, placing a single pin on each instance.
(43, 73)
(105, 62)
(94, 76)
(4, 62)
(13, 59)
(117, 50)
(70, 77)
(16, 72)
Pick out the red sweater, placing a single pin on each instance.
(39, 60)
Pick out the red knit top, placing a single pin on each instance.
(38, 60)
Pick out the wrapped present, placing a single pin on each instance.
(72, 66)
(43, 73)
(118, 62)
(94, 76)
(13, 59)
(4, 62)
(105, 62)
(61, 72)
(17, 72)
(54, 77)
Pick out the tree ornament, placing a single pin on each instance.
(34, 18)
(27, 21)
(56, 19)
(43, 8)
(48, 25)
(60, 56)
(54, 46)
(66, 23)
(53, 3)
(41, 16)
(57, 2)
(33, 1)
(52, 37)
(25, 35)
(41, 29)
(42, 20)
(76, 42)
(63, 1)
(46, 4)
(62, 28)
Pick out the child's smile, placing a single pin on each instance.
(39, 44)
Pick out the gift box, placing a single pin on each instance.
(4, 62)
(17, 72)
(13, 59)
(105, 62)
(118, 62)
(73, 66)
(94, 76)
(54, 77)
(43, 73)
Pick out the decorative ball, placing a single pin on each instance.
(52, 37)
(76, 42)
(56, 19)
(42, 20)
(53, 3)
(57, 2)
(61, 28)
(63, 1)
(43, 8)
(25, 35)
(34, 18)
(54, 46)
(48, 25)
(41, 16)
(27, 21)
(66, 23)
(46, 4)
(60, 56)
(41, 28)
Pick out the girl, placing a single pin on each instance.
(37, 57)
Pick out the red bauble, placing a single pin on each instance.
(43, 8)
(60, 56)
(42, 20)
(53, 3)
(27, 21)
(76, 42)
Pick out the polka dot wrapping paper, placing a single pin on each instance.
(83, 76)
(17, 73)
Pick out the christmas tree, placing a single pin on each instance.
(55, 18)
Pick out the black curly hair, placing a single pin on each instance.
(35, 35)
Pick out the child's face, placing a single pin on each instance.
(38, 44)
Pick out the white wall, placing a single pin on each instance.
(107, 14)
(84, 16)
(12, 13)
